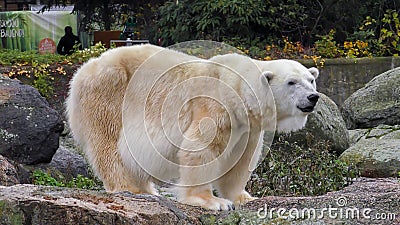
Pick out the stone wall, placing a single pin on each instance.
(339, 78)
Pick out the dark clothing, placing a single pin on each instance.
(66, 44)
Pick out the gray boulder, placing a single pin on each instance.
(377, 103)
(12, 173)
(324, 124)
(29, 128)
(8, 172)
(379, 132)
(376, 151)
(66, 162)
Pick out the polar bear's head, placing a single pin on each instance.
(294, 90)
(292, 85)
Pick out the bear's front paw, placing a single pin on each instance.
(243, 198)
(209, 202)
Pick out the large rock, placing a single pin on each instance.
(366, 199)
(324, 124)
(29, 128)
(375, 158)
(376, 152)
(8, 172)
(377, 103)
(12, 173)
(29, 204)
(379, 132)
(66, 162)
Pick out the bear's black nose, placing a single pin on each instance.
(313, 98)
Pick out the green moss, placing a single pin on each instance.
(10, 215)
(233, 218)
(208, 219)
(356, 158)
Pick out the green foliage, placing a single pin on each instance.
(39, 70)
(291, 170)
(9, 214)
(81, 56)
(326, 46)
(40, 177)
(43, 81)
(81, 182)
(356, 49)
(108, 15)
(10, 57)
(223, 20)
(387, 31)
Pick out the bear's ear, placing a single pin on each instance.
(314, 71)
(267, 75)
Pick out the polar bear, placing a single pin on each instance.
(146, 114)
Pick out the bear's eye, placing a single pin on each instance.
(291, 83)
(312, 81)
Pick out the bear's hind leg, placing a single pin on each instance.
(114, 175)
(128, 183)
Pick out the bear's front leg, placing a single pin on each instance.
(232, 184)
(202, 196)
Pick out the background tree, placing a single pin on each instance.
(266, 20)
(106, 14)
(245, 23)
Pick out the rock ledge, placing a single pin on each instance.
(30, 204)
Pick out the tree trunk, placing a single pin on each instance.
(106, 15)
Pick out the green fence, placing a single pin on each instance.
(24, 30)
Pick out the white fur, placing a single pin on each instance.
(135, 112)
(287, 98)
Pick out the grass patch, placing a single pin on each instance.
(40, 177)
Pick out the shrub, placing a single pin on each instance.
(10, 57)
(39, 70)
(387, 31)
(81, 182)
(327, 46)
(81, 56)
(42, 81)
(292, 170)
(41, 178)
(356, 49)
(228, 20)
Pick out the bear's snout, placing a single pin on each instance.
(313, 98)
(308, 107)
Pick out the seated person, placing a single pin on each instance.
(67, 42)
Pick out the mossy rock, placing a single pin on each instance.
(375, 157)
(377, 103)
